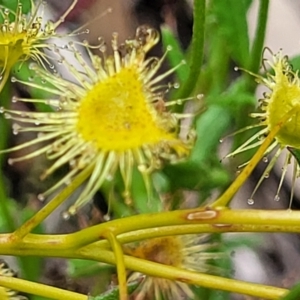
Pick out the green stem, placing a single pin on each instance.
(189, 277)
(52, 205)
(146, 226)
(258, 43)
(196, 54)
(213, 220)
(39, 289)
(226, 197)
(119, 256)
(5, 204)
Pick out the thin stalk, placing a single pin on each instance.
(39, 289)
(282, 220)
(146, 226)
(226, 197)
(208, 220)
(43, 213)
(258, 43)
(189, 277)
(119, 255)
(196, 53)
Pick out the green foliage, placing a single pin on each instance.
(114, 293)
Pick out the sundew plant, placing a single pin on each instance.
(119, 151)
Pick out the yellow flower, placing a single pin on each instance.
(26, 36)
(113, 118)
(188, 252)
(284, 95)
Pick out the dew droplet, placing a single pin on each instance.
(266, 175)
(72, 163)
(260, 138)
(65, 215)
(109, 177)
(32, 66)
(142, 168)
(14, 99)
(1, 109)
(41, 197)
(250, 201)
(276, 198)
(221, 141)
(13, 79)
(265, 159)
(169, 48)
(107, 217)
(235, 68)
(10, 161)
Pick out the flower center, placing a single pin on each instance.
(116, 114)
(165, 250)
(284, 97)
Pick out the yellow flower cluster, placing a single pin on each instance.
(284, 86)
(113, 118)
(26, 36)
(191, 252)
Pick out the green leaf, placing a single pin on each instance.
(234, 28)
(84, 268)
(113, 294)
(12, 5)
(210, 128)
(175, 55)
(295, 153)
(294, 293)
(295, 62)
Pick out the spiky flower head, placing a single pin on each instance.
(6, 293)
(284, 95)
(24, 36)
(189, 252)
(113, 118)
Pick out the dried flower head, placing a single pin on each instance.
(284, 86)
(113, 118)
(6, 293)
(190, 252)
(25, 36)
